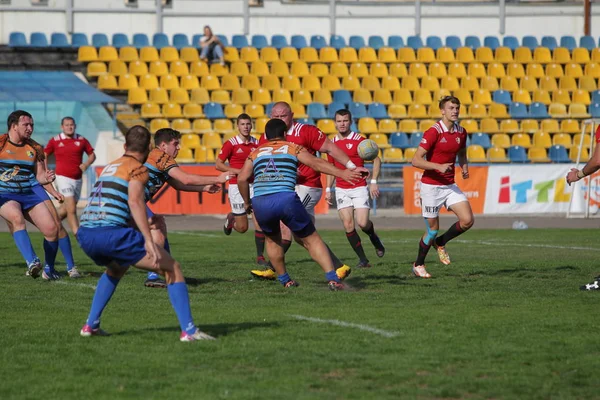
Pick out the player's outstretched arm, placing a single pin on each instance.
(589, 168)
(320, 165)
(185, 178)
(221, 166)
(194, 188)
(243, 182)
(419, 161)
(137, 205)
(331, 149)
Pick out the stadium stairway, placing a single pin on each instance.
(40, 59)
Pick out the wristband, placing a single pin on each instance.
(580, 174)
(373, 181)
(327, 190)
(350, 165)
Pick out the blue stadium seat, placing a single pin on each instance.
(518, 111)
(268, 109)
(558, 154)
(517, 154)
(415, 139)
(481, 139)
(538, 111)
(333, 107)
(17, 39)
(316, 111)
(357, 42)
(213, 111)
(594, 110)
(502, 97)
(569, 42)
(376, 42)
(453, 42)
(318, 42)
(395, 42)
(473, 42)
(259, 41)
(239, 41)
(223, 40)
(358, 110)
(195, 42)
(337, 42)
(435, 42)
(120, 40)
(160, 40)
(596, 96)
(354, 127)
(511, 42)
(59, 39)
(399, 140)
(279, 42)
(306, 121)
(79, 39)
(342, 96)
(530, 42)
(377, 111)
(38, 39)
(99, 40)
(492, 42)
(180, 40)
(299, 42)
(415, 42)
(140, 40)
(587, 42)
(549, 42)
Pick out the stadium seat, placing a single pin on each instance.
(281, 95)
(568, 42)
(495, 70)
(542, 139)
(381, 140)
(434, 42)
(59, 40)
(558, 154)
(587, 42)
(509, 126)
(298, 42)
(253, 110)
(120, 40)
(108, 53)
(538, 155)
(279, 42)
(414, 42)
(581, 56)
(417, 111)
(137, 96)
(395, 42)
(542, 55)
(356, 42)
(489, 125)
(530, 126)
(159, 68)
(327, 126)
(240, 96)
(561, 96)
(317, 42)
(549, 42)
(376, 42)
(193, 111)
(359, 70)
(172, 111)
(481, 139)
(470, 125)
(510, 42)
(127, 81)
(561, 55)
(530, 42)
(399, 140)
(558, 110)
(100, 40)
(523, 55)
(269, 54)
(398, 70)
(239, 41)
(521, 139)
(528, 83)
(594, 110)
(342, 96)
(509, 84)
(358, 110)
(249, 54)
(588, 84)
(393, 155)
(476, 111)
(160, 40)
(201, 126)
(477, 70)
(465, 55)
(107, 82)
(517, 154)
(476, 154)
(581, 97)
(503, 55)
(128, 54)
(220, 96)
(378, 111)
(562, 139)
(158, 96)
(453, 42)
(467, 82)
(316, 111)
(367, 55)
(79, 39)
(140, 40)
(213, 111)
(501, 140)
(151, 110)
(337, 42)
(259, 42)
(259, 68)
(501, 97)
(180, 41)
(158, 123)
(370, 83)
(397, 111)
(492, 42)
(149, 54)
(95, 69)
(332, 108)
(550, 126)
(290, 82)
(497, 155)
(484, 55)
(542, 96)
(472, 42)
(573, 70)
(410, 126)
(579, 111)
(184, 126)
(518, 110)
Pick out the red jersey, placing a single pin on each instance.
(348, 145)
(311, 138)
(598, 134)
(442, 147)
(69, 154)
(237, 151)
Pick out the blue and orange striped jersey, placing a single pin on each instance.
(158, 163)
(17, 165)
(108, 204)
(275, 167)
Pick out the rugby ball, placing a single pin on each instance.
(368, 150)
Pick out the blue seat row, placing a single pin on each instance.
(535, 111)
(318, 111)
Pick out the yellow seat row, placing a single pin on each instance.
(476, 153)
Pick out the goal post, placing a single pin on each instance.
(579, 205)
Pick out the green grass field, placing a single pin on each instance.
(505, 320)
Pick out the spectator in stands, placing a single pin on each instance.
(212, 48)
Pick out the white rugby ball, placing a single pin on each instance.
(368, 150)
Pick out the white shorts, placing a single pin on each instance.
(236, 200)
(68, 187)
(433, 197)
(309, 196)
(355, 197)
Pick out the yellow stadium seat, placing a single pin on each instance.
(327, 126)
(489, 83)
(561, 96)
(501, 140)
(381, 140)
(387, 126)
(231, 54)
(269, 54)
(498, 111)
(408, 126)
(465, 55)
(521, 96)
(477, 110)
(107, 82)
(451, 83)
(183, 125)
(538, 154)
(367, 55)
(220, 126)
(151, 110)
(201, 126)
(108, 53)
(117, 68)
(185, 156)
(550, 126)
(350, 83)
(290, 82)
(309, 55)
(577, 141)
(230, 82)
(426, 55)
(567, 83)
(378, 70)
(189, 54)
(417, 111)
(497, 155)
(503, 55)
(482, 96)
(397, 111)
(169, 81)
(228, 136)
(238, 69)
(200, 68)
(159, 68)
(288, 54)
(179, 96)
(464, 96)
(158, 123)
(96, 68)
(458, 70)
(523, 55)
(367, 125)
(282, 95)
(542, 139)
(418, 70)
(425, 124)
(159, 96)
(149, 54)
(489, 125)
(434, 108)
(169, 54)
(370, 83)
(422, 96)
(348, 55)
(542, 55)
(263, 96)
(390, 83)
(359, 70)
(128, 54)
(240, 96)
(445, 55)
(528, 83)
(255, 110)
(339, 69)
(411, 83)
(319, 70)
(260, 124)
(577, 110)
(311, 83)
(496, 70)
(588, 83)
(515, 70)
(535, 71)
(210, 82)
(484, 55)
(279, 68)
(259, 68)
(331, 83)
(138, 68)
(148, 82)
(476, 70)
(557, 110)
(249, 54)
(328, 55)
(362, 96)
(251, 82)
(573, 70)
(470, 125)
(554, 70)
(574, 152)
(398, 70)
(393, 155)
(509, 126)
(137, 96)
(468, 82)
(87, 54)
(529, 126)
(189, 82)
(542, 96)
(402, 96)
(190, 140)
(269, 82)
(387, 55)
(562, 139)
(383, 96)
(299, 68)
(220, 96)
(406, 55)
(409, 153)
(172, 110)
(193, 110)
(521, 139)
(476, 154)
(437, 70)
(179, 68)
(592, 70)
(561, 55)
(581, 97)
(212, 140)
(596, 54)
(548, 83)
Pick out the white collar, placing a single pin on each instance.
(445, 129)
(63, 136)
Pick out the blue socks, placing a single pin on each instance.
(65, 248)
(332, 276)
(50, 251)
(104, 291)
(283, 279)
(180, 300)
(24, 245)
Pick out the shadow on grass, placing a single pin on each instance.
(362, 282)
(197, 282)
(518, 271)
(215, 330)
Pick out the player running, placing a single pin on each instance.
(439, 148)
(352, 199)
(162, 169)
(236, 151)
(21, 163)
(107, 237)
(275, 166)
(309, 187)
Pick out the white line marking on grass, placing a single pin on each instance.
(194, 234)
(507, 244)
(86, 285)
(336, 322)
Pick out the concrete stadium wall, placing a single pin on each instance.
(226, 17)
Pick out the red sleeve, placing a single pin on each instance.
(49, 147)
(225, 152)
(314, 137)
(429, 138)
(598, 134)
(263, 139)
(464, 143)
(87, 147)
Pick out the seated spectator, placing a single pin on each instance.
(212, 48)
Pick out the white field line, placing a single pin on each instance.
(336, 322)
(195, 234)
(85, 285)
(505, 244)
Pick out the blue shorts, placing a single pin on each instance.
(284, 207)
(27, 201)
(149, 212)
(103, 245)
(41, 192)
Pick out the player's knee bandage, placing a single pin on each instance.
(431, 234)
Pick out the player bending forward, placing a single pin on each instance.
(440, 146)
(274, 166)
(107, 237)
